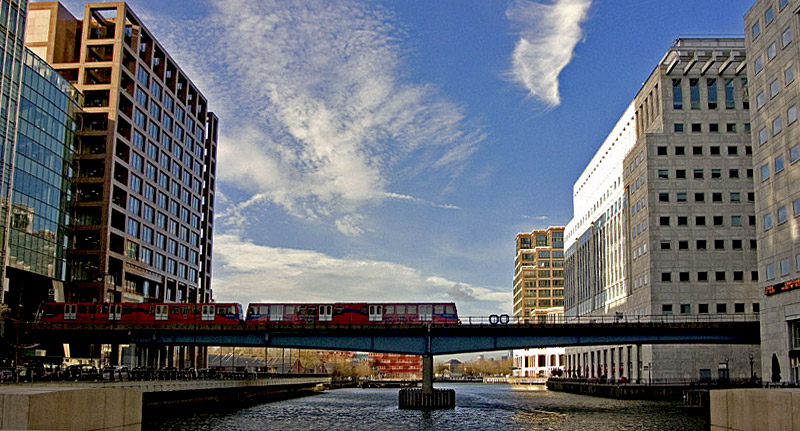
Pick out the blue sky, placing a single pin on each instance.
(392, 150)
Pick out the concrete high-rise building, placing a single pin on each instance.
(771, 31)
(146, 158)
(538, 271)
(664, 219)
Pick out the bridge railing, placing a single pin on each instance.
(505, 319)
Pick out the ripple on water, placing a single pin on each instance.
(479, 407)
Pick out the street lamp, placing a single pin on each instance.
(750, 355)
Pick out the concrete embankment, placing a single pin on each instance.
(630, 392)
(120, 405)
(755, 409)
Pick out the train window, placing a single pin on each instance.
(338, 309)
(438, 309)
(221, 310)
(252, 310)
(263, 309)
(232, 309)
(364, 309)
(450, 310)
(174, 309)
(104, 309)
(289, 310)
(126, 309)
(312, 310)
(390, 309)
(401, 309)
(301, 310)
(412, 309)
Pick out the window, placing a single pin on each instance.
(698, 174)
(791, 114)
(769, 271)
(700, 221)
(718, 220)
(702, 308)
(783, 266)
(796, 207)
(722, 308)
(666, 245)
(786, 37)
(788, 75)
(680, 173)
(680, 151)
(769, 15)
(782, 215)
(697, 151)
(794, 153)
(772, 51)
(782, 4)
(686, 309)
(733, 173)
(778, 163)
(736, 244)
(666, 277)
(681, 197)
(777, 126)
(666, 308)
(767, 221)
(663, 173)
(678, 127)
(764, 172)
(761, 99)
(702, 276)
(663, 197)
(716, 197)
(729, 102)
(755, 30)
(733, 150)
(736, 220)
(683, 245)
(774, 88)
(738, 275)
(677, 94)
(719, 276)
(758, 64)
(711, 85)
(694, 92)
(730, 127)
(714, 150)
(701, 244)
(736, 197)
(713, 127)
(663, 221)
(661, 151)
(683, 221)
(697, 127)
(719, 244)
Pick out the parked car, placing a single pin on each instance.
(115, 372)
(82, 372)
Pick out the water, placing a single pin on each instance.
(478, 407)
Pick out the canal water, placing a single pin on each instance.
(479, 407)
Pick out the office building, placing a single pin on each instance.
(538, 271)
(771, 28)
(664, 221)
(145, 161)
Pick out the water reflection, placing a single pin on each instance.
(479, 407)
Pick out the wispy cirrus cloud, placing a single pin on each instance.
(318, 116)
(248, 272)
(548, 34)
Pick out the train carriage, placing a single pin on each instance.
(359, 313)
(143, 313)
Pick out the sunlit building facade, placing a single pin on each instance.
(145, 161)
(771, 33)
(664, 219)
(538, 271)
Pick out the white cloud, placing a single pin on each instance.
(247, 272)
(317, 115)
(548, 34)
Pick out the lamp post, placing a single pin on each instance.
(750, 355)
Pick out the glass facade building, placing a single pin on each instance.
(43, 172)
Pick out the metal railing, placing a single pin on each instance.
(505, 319)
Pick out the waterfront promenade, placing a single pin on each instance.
(119, 405)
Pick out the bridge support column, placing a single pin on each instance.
(427, 398)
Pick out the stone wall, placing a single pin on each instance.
(755, 409)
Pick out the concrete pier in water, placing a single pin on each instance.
(427, 398)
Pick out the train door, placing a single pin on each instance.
(162, 312)
(207, 313)
(376, 313)
(70, 311)
(425, 313)
(325, 313)
(115, 312)
(276, 313)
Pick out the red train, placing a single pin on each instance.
(259, 313)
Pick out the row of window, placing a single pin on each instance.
(779, 163)
(734, 197)
(703, 276)
(769, 16)
(712, 127)
(702, 244)
(784, 267)
(718, 220)
(140, 118)
(712, 89)
(700, 174)
(720, 307)
(781, 215)
(774, 87)
(169, 106)
(697, 150)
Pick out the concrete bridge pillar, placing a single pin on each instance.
(427, 373)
